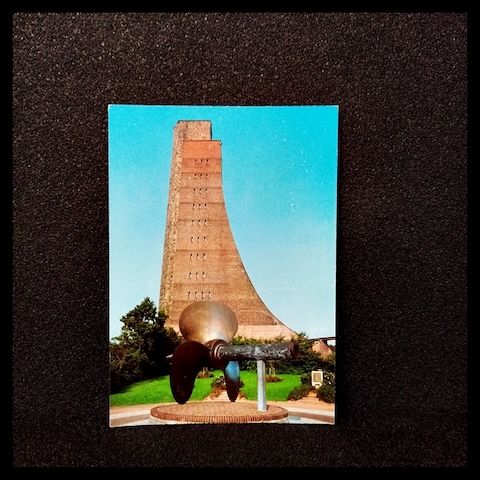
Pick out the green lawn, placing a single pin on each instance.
(275, 391)
(157, 390)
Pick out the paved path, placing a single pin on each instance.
(306, 410)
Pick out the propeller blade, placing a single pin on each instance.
(187, 360)
(232, 379)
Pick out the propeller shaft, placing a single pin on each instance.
(266, 351)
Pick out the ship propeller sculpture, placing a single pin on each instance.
(208, 329)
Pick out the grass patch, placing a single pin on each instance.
(275, 391)
(157, 390)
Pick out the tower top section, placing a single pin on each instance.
(193, 130)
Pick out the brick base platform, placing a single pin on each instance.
(217, 412)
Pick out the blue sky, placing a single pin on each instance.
(280, 186)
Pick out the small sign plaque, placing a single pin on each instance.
(317, 378)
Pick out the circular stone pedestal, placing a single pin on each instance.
(217, 412)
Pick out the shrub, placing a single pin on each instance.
(329, 378)
(272, 379)
(306, 379)
(298, 392)
(204, 373)
(326, 393)
(219, 383)
(327, 390)
(248, 365)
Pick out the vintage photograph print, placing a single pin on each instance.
(222, 264)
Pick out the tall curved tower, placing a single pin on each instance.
(200, 258)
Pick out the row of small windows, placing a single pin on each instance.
(199, 206)
(197, 275)
(201, 160)
(199, 295)
(201, 191)
(199, 239)
(199, 222)
(198, 256)
(200, 175)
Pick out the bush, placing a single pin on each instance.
(248, 365)
(306, 379)
(218, 383)
(327, 390)
(298, 392)
(272, 379)
(326, 393)
(329, 378)
(204, 373)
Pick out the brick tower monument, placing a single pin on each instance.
(200, 258)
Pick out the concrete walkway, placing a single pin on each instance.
(306, 410)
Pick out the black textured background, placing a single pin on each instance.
(400, 81)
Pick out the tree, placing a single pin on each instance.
(140, 351)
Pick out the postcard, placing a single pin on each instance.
(222, 228)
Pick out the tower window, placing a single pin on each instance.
(209, 294)
(194, 190)
(203, 274)
(190, 275)
(189, 295)
(196, 274)
(195, 294)
(194, 176)
(198, 239)
(191, 256)
(204, 239)
(193, 206)
(204, 256)
(191, 239)
(206, 175)
(207, 160)
(205, 206)
(202, 295)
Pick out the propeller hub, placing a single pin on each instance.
(206, 321)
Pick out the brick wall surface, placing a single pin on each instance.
(319, 346)
(201, 260)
